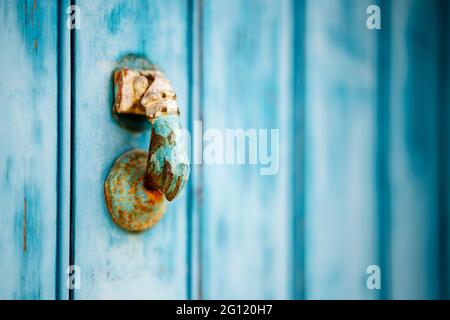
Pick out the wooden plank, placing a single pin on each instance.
(113, 262)
(28, 157)
(246, 239)
(413, 150)
(340, 144)
(64, 148)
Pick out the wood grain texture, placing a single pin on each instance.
(113, 262)
(367, 129)
(28, 149)
(246, 237)
(340, 140)
(414, 104)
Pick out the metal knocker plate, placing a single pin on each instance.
(139, 182)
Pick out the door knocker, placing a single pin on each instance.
(139, 182)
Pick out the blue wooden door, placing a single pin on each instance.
(361, 176)
(29, 153)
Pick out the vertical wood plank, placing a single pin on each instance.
(246, 219)
(113, 262)
(340, 144)
(414, 104)
(64, 148)
(28, 144)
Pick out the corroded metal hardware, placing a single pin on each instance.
(139, 182)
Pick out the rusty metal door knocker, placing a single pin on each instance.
(139, 182)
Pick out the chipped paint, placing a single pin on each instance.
(167, 166)
(131, 80)
(29, 152)
(160, 98)
(129, 87)
(142, 90)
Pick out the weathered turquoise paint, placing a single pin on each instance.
(364, 141)
(138, 183)
(168, 164)
(28, 149)
(341, 230)
(414, 117)
(64, 151)
(349, 116)
(246, 83)
(130, 204)
(151, 264)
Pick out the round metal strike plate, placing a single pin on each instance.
(131, 205)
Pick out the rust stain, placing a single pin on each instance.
(155, 180)
(132, 206)
(171, 195)
(35, 44)
(162, 180)
(24, 224)
(156, 141)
